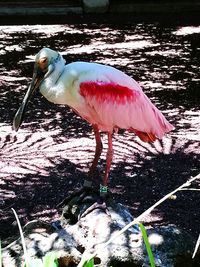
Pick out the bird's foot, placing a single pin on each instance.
(79, 194)
(83, 202)
(103, 190)
(100, 202)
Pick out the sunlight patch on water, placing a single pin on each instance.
(101, 46)
(187, 30)
(13, 48)
(47, 29)
(172, 52)
(11, 78)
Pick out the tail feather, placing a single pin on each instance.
(145, 137)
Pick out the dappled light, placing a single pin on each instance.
(51, 153)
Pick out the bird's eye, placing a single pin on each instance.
(44, 60)
(43, 63)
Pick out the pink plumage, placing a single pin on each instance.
(109, 92)
(104, 96)
(113, 106)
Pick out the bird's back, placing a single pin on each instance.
(102, 73)
(111, 99)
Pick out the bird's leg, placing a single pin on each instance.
(98, 151)
(88, 195)
(101, 202)
(87, 186)
(109, 157)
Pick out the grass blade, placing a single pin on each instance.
(148, 247)
(0, 255)
(50, 260)
(22, 239)
(196, 247)
(89, 263)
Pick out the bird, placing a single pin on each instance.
(105, 97)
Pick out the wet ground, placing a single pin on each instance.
(49, 157)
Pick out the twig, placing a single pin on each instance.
(22, 239)
(0, 255)
(196, 247)
(88, 256)
(190, 189)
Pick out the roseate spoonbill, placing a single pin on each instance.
(105, 97)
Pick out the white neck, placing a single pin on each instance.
(59, 66)
(50, 86)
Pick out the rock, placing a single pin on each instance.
(41, 238)
(168, 243)
(97, 6)
(70, 240)
(98, 226)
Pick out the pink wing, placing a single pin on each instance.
(113, 106)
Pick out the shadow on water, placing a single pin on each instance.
(138, 181)
(157, 174)
(49, 156)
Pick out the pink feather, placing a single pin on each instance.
(112, 106)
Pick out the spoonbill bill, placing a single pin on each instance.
(105, 97)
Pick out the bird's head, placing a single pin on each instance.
(44, 65)
(45, 60)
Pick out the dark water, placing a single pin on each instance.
(163, 58)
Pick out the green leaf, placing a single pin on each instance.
(148, 247)
(89, 263)
(50, 260)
